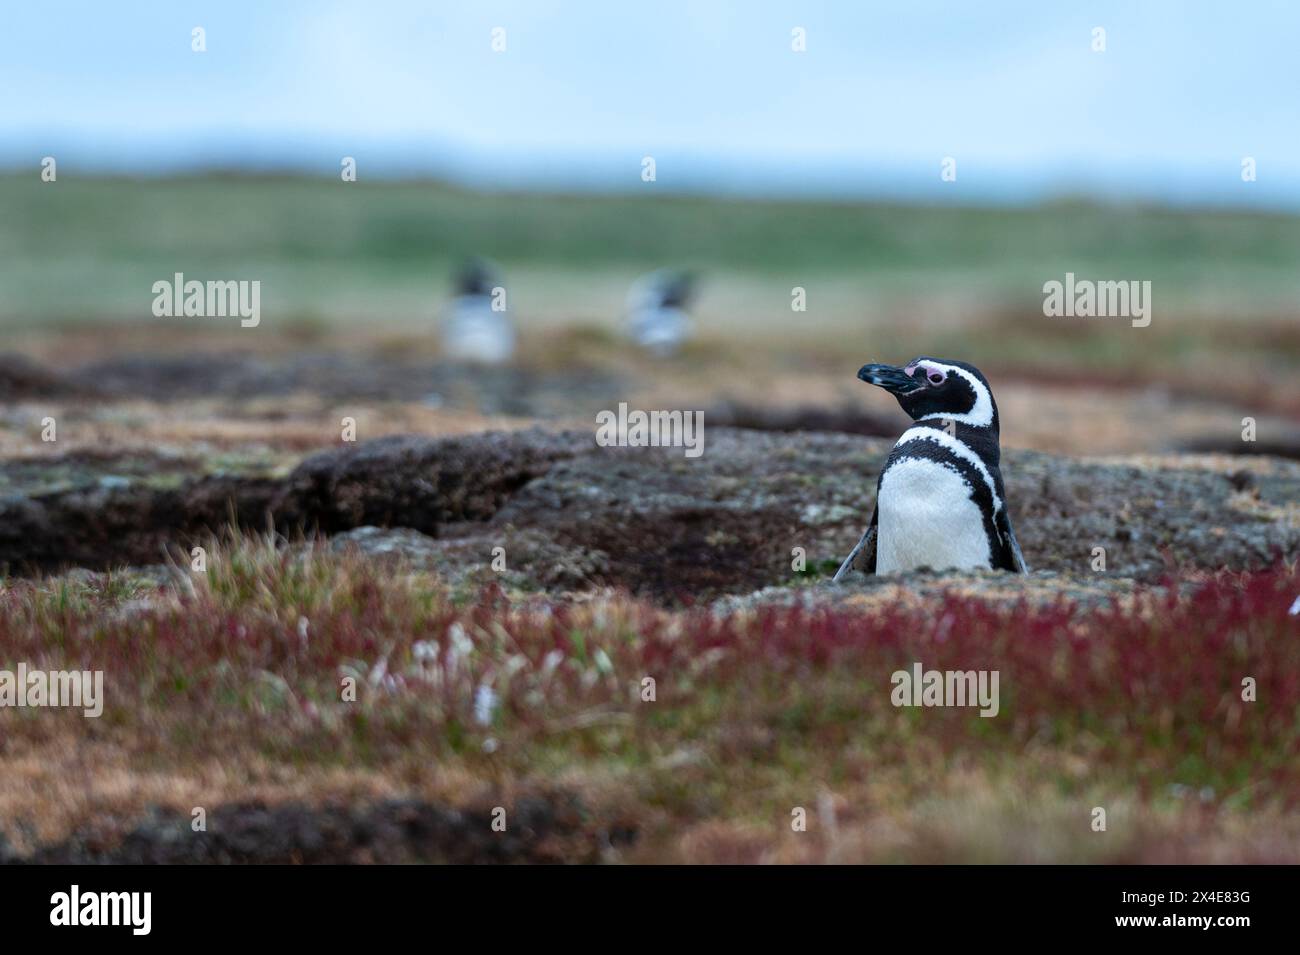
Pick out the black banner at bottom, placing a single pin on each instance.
(337, 905)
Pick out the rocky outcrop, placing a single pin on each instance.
(546, 828)
(570, 514)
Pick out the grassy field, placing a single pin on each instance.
(380, 250)
(234, 688)
(347, 266)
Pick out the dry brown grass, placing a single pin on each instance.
(226, 689)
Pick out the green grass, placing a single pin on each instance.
(89, 249)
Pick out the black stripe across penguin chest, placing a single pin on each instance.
(937, 501)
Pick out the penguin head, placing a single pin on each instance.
(475, 276)
(938, 388)
(663, 288)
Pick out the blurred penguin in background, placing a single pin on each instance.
(476, 326)
(656, 311)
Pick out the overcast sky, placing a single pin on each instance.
(584, 89)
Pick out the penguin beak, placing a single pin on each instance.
(894, 380)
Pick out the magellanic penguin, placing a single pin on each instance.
(939, 500)
(656, 311)
(476, 327)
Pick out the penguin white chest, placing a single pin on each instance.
(926, 518)
(473, 332)
(661, 330)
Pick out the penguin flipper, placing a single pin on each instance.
(1011, 558)
(865, 552)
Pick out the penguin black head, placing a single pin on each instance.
(938, 388)
(663, 288)
(475, 277)
(677, 289)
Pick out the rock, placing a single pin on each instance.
(574, 515)
(846, 418)
(374, 376)
(414, 482)
(533, 559)
(419, 550)
(861, 591)
(1284, 444)
(545, 828)
(21, 379)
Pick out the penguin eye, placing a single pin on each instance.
(936, 377)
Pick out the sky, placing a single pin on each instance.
(1011, 89)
